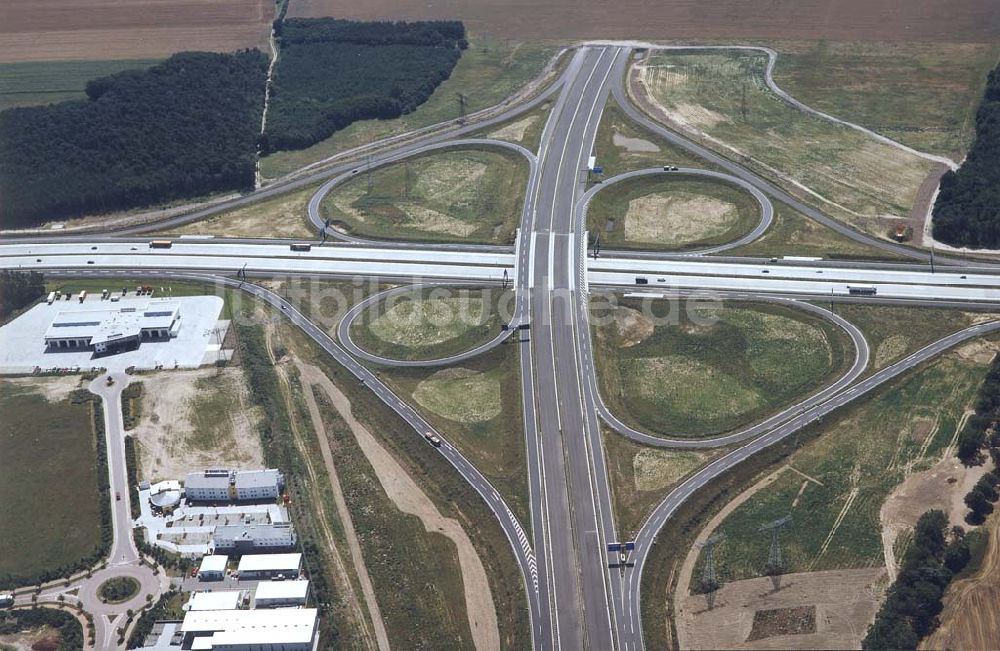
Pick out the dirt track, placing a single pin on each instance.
(845, 20)
(409, 498)
(970, 619)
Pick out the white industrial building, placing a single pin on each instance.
(213, 567)
(253, 538)
(281, 594)
(112, 330)
(250, 630)
(268, 566)
(223, 485)
(218, 600)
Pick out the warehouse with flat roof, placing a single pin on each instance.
(217, 600)
(250, 630)
(281, 594)
(253, 538)
(112, 330)
(266, 566)
(213, 567)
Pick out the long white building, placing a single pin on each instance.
(250, 630)
(109, 330)
(224, 485)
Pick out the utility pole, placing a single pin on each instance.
(932, 258)
(709, 579)
(597, 246)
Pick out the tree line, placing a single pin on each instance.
(967, 210)
(183, 128)
(913, 603)
(981, 424)
(332, 73)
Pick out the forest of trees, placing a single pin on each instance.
(334, 72)
(19, 289)
(186, 127)
(913, 603)
(967, 211)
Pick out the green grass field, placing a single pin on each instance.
(894, 332)
(860, 454)
(414, 572)
(922, 94)
(477, 407)
(671, 213)
(621, 146)
(723, 99)
(716, 369)
(457, 195)
(488, 72)
(430, 323)
(46, 82)
(283, 216)
(525, 129)
(48, 481)
(792, 233)
(641, 476)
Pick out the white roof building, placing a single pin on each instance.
(261, 630)
(213, 564)
(218, 600)
(279, 563)
(281, 593)
(107, 328)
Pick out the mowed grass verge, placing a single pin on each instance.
(283, 216)
(488, 72)
(860, 455)
(671, 212)
(477, 407)
(430, 323)
(31, 83)
(706, 370)
(456, 195)
(48, 480)
(723, 100)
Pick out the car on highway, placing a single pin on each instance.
(432, 439)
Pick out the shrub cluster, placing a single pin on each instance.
(183, 128)
(913, 603)
(334, 72)
(70, 629)
(967, 210)
(131, 405)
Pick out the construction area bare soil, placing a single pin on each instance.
(128, 29)
(872, 20)
(193, 420)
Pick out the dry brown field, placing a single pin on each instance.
(129, 29)
(855, 20)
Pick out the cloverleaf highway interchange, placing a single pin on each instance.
(579, 596)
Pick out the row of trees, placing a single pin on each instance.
(19, 289)
(912, 606)
(980, 425)
(332, 73)
(967, 210)
(185, 127)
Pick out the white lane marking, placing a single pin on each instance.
(551, 260)
(531, 259)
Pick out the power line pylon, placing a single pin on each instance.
(462, 99)
(709, 579)
(775, 562)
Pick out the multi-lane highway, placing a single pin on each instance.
(575, 599)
